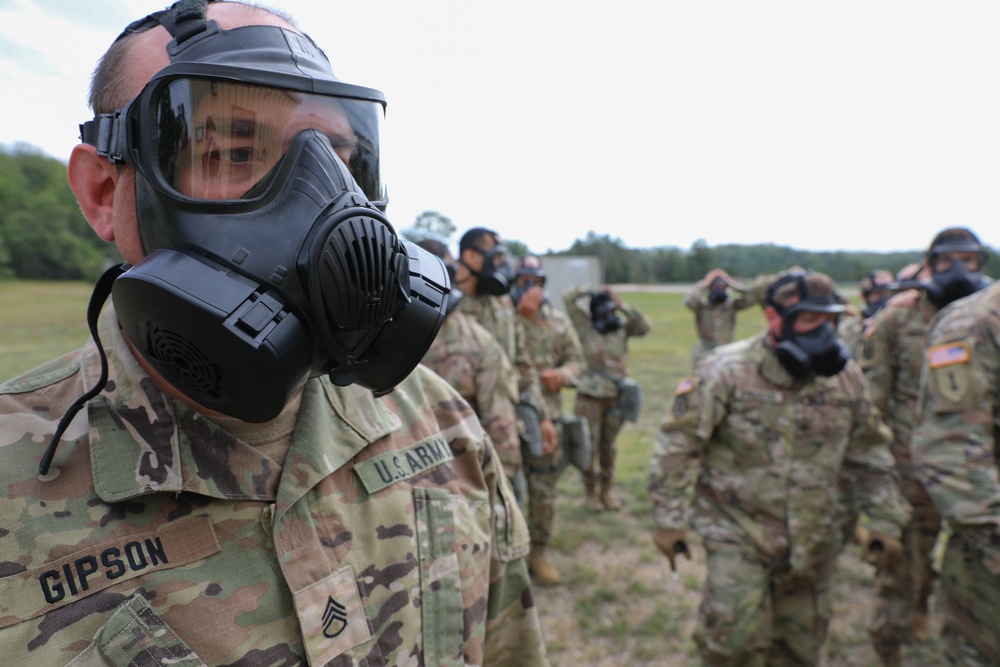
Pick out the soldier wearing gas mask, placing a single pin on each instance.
(714, 310)
(246, 465)
(604, 335)
(556, 352)
(751, 458)
(485, 274)
(892, 356)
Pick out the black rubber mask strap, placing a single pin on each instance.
(101, 293)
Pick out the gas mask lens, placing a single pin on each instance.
(217, 140)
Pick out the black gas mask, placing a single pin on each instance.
(269, 259)
(602, 313)
(496, 277)
(816, 352)
(956, 281)
(717, 296)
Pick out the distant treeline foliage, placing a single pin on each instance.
(43, 234)
(676, 265)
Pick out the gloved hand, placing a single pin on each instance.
(549, 437)
(672, 543)
(884, 551)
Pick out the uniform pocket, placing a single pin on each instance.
(135, 636)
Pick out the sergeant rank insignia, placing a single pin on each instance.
(334, 618)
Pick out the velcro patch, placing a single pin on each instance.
(750, 394)
(949, 354)
(383, 470)
(99, 566)
(869, 330)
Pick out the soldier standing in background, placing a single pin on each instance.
(875, 291)
(468, 356)
(557, 354)
(757, 441)
(714, 311)
(485, 275)
(891, 353)
(956, 454)
(604, 336)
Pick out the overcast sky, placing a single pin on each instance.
(821, 125)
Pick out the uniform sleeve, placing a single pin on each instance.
(877, 356)
(869, 467)
(496, 394)
(954, 439)
(693, 299)
(636, 323)
(579, 316)
(570, 355)
(529, 386)
(513, 630)
(698, 406)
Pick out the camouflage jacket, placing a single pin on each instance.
(553, 343)
(954, 442)
(759, 454)
(716, 323)
(498, 315)
(468, 356)
(891, 353)
(389, 536)
(606, 354)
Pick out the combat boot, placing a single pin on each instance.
(591, 500)
(539, 565)
(608, 499)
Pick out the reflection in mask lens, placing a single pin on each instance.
(216, 140)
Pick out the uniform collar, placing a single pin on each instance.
(143, 442)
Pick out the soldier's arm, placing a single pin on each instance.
(496, 394)
(876, 354)
(578, 312)
(636, 323)
(954, 439)
(513, 630)
(529, 386)
(868, 464)
(693, 298)
(571, 360)
(698, 406)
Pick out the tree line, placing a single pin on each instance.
(44, 236)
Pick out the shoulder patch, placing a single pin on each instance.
(950, 354)
(383, 470)
(870, 329)
(686, 386)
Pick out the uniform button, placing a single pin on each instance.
(267, 518)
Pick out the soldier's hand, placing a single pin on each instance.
(672, 543)
(549, 439)
(551, 379)
(884, 551)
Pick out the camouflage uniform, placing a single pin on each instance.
(759, 454)
(552, 343)
(715, 322)
(596, 392)
(468, 356)
(498, 316)
(388, 537)
(891, 353)
(955, 453)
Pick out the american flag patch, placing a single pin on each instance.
(685, 387)
(948, 355)
(869, 330)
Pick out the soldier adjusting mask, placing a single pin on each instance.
(269, 259)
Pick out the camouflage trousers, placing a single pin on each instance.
(970, 588)
(543, 476)
(604, 421)
(753, 615)
(906, 590)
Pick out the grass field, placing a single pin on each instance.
(619, 603)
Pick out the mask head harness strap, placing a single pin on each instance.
(183, 20)
(813, 300)
(101, 292)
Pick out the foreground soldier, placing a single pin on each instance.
(556, 352)
(236, 492)
(714, 311)
(758, 439)
(892, 353)
(955, 453)
(604, 336)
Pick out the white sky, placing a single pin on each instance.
(821, 125)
